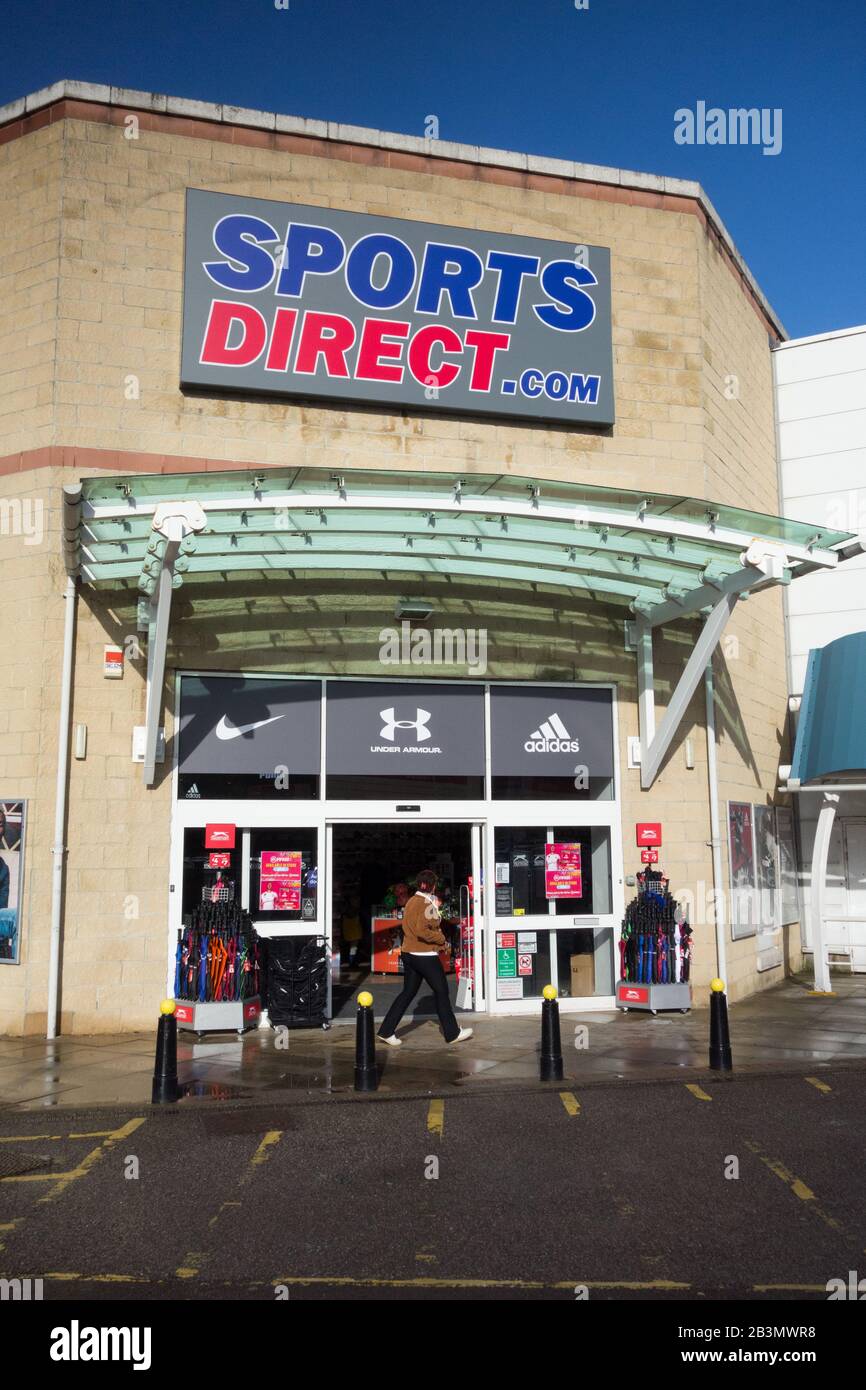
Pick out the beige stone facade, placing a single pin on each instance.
(91, 281)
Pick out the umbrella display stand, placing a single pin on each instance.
(218, 970)
(236, 1015)
(655, 950)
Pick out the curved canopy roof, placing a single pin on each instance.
(663, 556)
(831, 735)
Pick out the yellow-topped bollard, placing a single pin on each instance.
(165, 1090)
(551, 1045)
(366, 1076)
(720, 1038)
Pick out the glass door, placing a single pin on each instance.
(552, 918)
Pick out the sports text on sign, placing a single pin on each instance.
(325, 302)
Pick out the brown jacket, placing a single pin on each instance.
(421, 930)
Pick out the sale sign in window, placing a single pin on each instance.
(562, 872)
(280, 889)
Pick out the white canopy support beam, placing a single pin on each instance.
(654, 746)
(687, 604)
(172, 524)
(820, 858)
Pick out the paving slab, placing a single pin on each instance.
(783, 1029)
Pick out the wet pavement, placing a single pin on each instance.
(785, 1029)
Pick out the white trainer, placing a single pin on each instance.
(393, 1041)
(462, 1035)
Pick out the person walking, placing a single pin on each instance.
(422, 941)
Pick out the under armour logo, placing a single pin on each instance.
(419, 724)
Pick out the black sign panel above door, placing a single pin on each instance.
(238, 724)
(549, 730)
(377, 728)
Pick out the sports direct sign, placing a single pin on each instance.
(306, 301)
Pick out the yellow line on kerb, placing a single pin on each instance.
(436, 1117)
(819, 1085)
(571, 1103)
(697, 1092)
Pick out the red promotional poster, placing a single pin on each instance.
(563, 877)
(280, 889)
(649, 856)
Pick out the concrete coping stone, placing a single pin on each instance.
(388, 140)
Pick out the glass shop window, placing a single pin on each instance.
(567, 788)
(522, 963)
(593, 877)
(424, 786)
(284, 875)
(584, 961)
(558, 871)
(209, 875)
(247, 786)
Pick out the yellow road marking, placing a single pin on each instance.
(10, 1226)
(224, 1207)
(420, 1282)
(261, 1154)
(193, 1261)
(436, 1117)
(84, 1167)
(697, 1092)
(30, 1138)
(101, 1278)
(570, 1101)
(819, 1085)
(797, 1186)
(821, 993)
(789, 1288)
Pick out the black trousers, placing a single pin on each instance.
(417, 969)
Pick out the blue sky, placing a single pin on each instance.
(598, 85)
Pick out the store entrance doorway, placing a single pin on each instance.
(373, 872)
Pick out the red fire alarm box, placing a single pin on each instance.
(219, 837)
(649, 833)
(649, 856)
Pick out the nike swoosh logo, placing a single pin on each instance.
(224, 732)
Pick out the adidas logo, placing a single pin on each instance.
(193, 792)
(552, 737)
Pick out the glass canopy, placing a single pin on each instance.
(627, 547)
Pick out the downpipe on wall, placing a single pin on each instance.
(58, 848)
(715, 832)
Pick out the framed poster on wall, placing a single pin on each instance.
(741, 848)
(789, 898)
(13, 816)
(764, 818)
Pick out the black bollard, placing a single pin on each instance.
(165, 1087)
(366, 1077)
(551, 1045)
(720, 1038)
